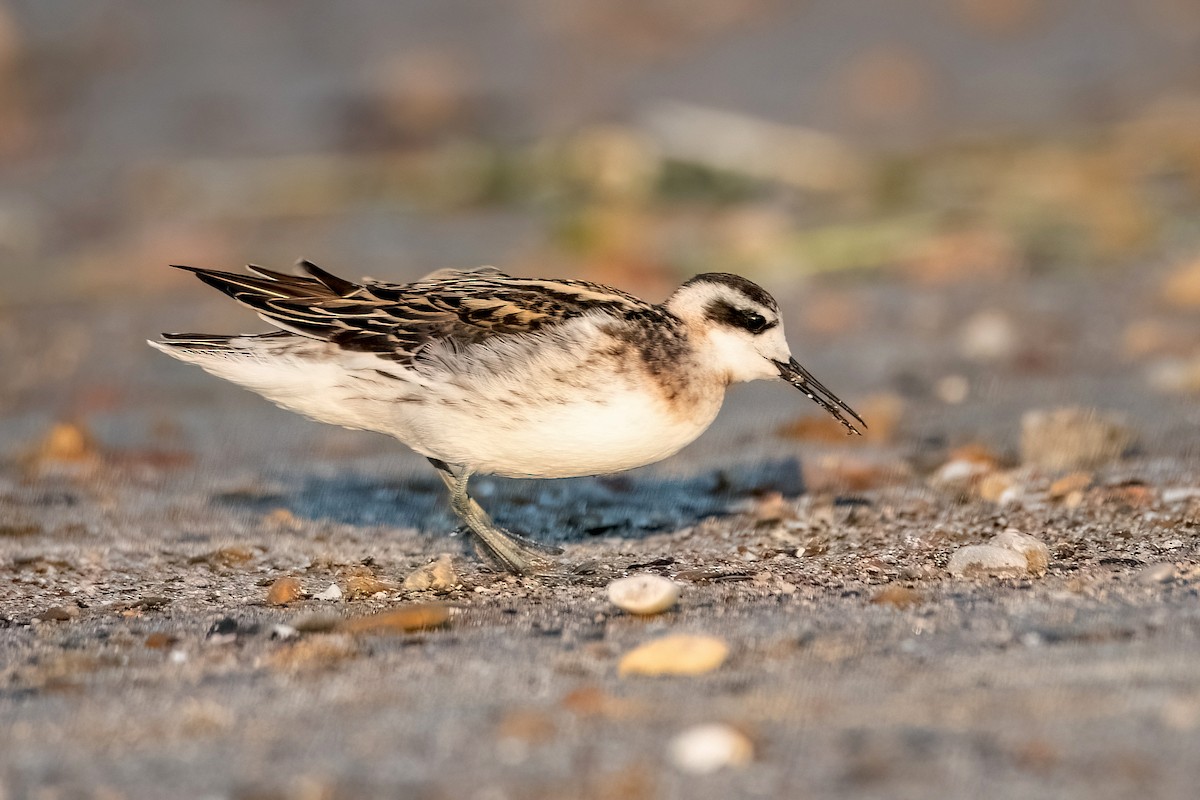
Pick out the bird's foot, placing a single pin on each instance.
(516, 553)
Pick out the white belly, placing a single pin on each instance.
(629, 429)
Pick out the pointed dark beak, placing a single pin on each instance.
(802, 379)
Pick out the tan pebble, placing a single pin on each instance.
(313, 653)
(771, 507)
(284, 591)
(1035, 551)
(160, 641)
(233, 556)
(643, 594)
(1181, 287)
(977, 452)
(952, 389)
(897, 597)
(679, 654)
(438, 576)
(1073, 438)
(588, 701)
(1130, 494)
(986, 559)
(705, 749)
(962, 472)
(358, 586)
(399, 620)
(59, 614)
(67, 441)
(998, 487)
(282, 517)
(1064, 486)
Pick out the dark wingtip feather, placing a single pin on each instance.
(340, 285)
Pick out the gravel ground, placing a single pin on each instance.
(138, 650)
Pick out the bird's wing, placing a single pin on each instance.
(399, 321)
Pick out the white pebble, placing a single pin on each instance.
(1035, 551)
(989, 336)
(1163, 572)
(332, 593)
(987, 558)
(643, 594)
(283, 632)
(704, 749)
(960, 471)
(1180, 494)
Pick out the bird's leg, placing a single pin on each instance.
(515, 553)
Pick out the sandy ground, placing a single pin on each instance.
(137, 650)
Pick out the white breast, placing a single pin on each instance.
(620, 430)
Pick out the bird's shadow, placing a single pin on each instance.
(629, 505)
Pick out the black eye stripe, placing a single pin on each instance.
(723, 313)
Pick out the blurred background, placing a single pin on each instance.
(636, 141)
(948, 195)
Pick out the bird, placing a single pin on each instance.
(481, 372)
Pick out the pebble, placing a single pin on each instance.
(332, 593)
(281, 632)
(1073, 438)
(59, 614)
(986, 559)
(643, 594)
(1181, 287)
(989, 336)
(366, 586)
(67, 441)
(438, 576)
(1068, 484)
(1034, 550)
(1180, 494)
(952, 389)
(1164, 572)
(160, 640)
(960, 472)
(1175, 375)
(419, 616)
(1000, 488)
(897, 597)
(284, 591)
(679, 654)
(314, 653)
(705, 749)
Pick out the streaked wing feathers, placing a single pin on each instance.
(398, 321)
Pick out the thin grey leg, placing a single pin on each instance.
(515, 553)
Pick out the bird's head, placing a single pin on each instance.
(738, 332)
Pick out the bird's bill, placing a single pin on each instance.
(795, 374)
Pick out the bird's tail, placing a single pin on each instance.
(198, 347)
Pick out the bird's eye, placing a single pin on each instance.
(755, 323)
